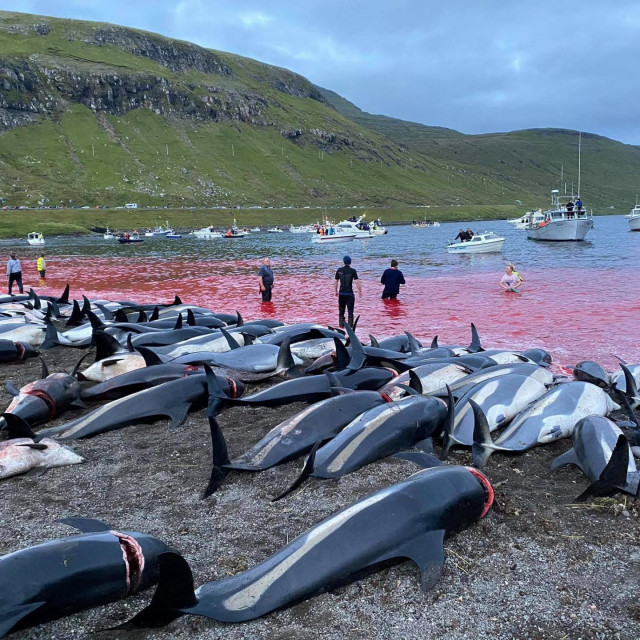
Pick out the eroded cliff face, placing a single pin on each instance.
(48, 81)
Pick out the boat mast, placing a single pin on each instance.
(579, 154)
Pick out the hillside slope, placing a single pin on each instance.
(96, 114)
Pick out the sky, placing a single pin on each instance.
(477, 66)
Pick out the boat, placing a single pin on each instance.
(360, 228)
(535, 215)
(129, 238)
(158, 231)
(487, 242)
(561, 223)
(378, 229)
(108, 235)
(424, 224)
(275, 230)
(207, 233)
(234, 231)
(35, 239)
(634, 218)
(303, 228)
(173, 236)
(333, 238)
(255, 229)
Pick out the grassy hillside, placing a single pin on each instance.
(96, 114)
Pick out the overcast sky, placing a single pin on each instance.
(476, 66)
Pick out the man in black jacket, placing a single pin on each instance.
(345, 277)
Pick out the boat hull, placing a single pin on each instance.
(561, 230)
(129, 240)
(318, 239)
(207, 235)
(634, 223)
(493, 246)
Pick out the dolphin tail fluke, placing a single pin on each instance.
(174, 592)
(220, 456)
(482, 444)
(306, 472)
(447, 441)
(613, 476)
(358, 356)
(342, 355)
(64, 298)
(475, 345)
(17, 427)
(51, 337)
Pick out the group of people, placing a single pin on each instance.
(346, 279)
(14, 271)
(574, 206)
(464, 236)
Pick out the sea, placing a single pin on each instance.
(579, 301)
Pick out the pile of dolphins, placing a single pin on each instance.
(391, 397)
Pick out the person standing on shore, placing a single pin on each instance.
(41, 266)
(14, 272)
(345, 277)
(265, 276)
(392, 278)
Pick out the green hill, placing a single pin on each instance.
(96, 114)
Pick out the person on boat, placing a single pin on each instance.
(510, 281)
(392, 278)
(570, 208)
(41, 266)
(14, 272)
(345, 277)
(265, 277)
(228, 233)
(126, 235)
(462, 235)
(470, 234)
(578, 205)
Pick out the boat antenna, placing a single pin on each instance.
(579, 154)
(562, 179)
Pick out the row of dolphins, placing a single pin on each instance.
(391, 397)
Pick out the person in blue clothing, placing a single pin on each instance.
(392, 279)
(265, 277)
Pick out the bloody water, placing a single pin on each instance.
(578, 301)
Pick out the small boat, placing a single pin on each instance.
(275, 230)
(35, 239)
(173, 236)
(158, 231)
(304, 228)
(634, 218)
(535, 215)
(207, 233)
(480, 243)
(129, 238)
(332, 238)
(563, 223)
(424, 224)
(255, 229)
(108, 235)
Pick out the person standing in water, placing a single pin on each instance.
(345, 277)
(14, 272)
(392, 278)
(510, 281)
(265, 276)
(41, 266)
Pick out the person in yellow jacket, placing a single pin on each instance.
(41, 266)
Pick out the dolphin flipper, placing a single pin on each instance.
(568, 457)
(219, 454)
(307, 470)
(422, 459)
(10, 617)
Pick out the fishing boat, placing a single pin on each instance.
(35, 239)
(173, 236)
(480, 243)
(108, 235)
(564, 222)
(337, 236)
(360, 228)
(275, 230)
(634, 218)
(207, 233)
(158, 231)
(129, 238)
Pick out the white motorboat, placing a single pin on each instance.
(634, 218)
(207, 233)
(563, 223)
(255, 229)
(535, 215)
(35, 239)
(333, 238)
(173, 236)
(275, 230)
(158, 231)
(424, 224)
(480, 243)
(304, 228)
(108, 235)
(357, 226)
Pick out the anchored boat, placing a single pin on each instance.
(35, 239)
(480, 243)
(634, 218)
(565, 222)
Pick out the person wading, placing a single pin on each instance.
(265, 276)
(344, 290)
(14, 272)
(392, 279)
(41, 266)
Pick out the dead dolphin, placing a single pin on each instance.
(597, 446)
(11, 351)
(550, 418)
(63, 576)
(406, 520)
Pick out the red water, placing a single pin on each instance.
(576, 314)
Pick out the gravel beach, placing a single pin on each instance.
(534, 567)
